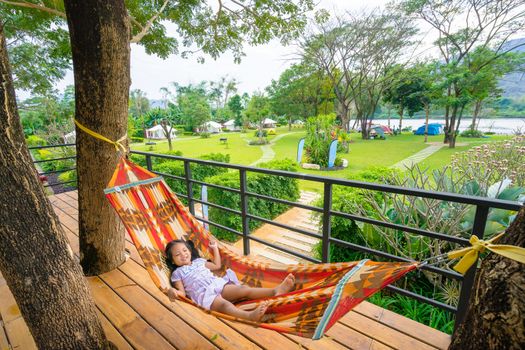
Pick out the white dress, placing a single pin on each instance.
(200, 284)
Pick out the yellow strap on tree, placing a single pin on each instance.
(469, 255)
(118, 144)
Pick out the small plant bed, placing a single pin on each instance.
(259, 142)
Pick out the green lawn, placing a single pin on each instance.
(363, 153)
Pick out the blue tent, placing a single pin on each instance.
(433, 129)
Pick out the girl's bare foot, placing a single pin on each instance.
(258, 313)
(286, 285)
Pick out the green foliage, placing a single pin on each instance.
(199, 172)
(261, 133)
(320, 132)
(67, 176)
(33, 140)
(471, 133)
(205, 135)
(269, 185)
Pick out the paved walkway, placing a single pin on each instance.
(291, 240)
(418, 157)
(268, 152)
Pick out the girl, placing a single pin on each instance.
(193, 276)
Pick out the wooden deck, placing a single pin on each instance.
(136, 315)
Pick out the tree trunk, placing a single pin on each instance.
(452, 128)
(35, 257)
(99, 32)
(401, 110)
(496, 311)
(447, 115)
(477, 109)
(427, 112)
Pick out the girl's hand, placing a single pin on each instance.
(174, 294)
(213, 245)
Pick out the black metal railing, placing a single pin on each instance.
(482, 204)
(69, 167)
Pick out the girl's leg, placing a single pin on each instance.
(234, 292)
(224, 306)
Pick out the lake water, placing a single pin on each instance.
(499, 126)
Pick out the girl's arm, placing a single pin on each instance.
(216, 263)
(178, 291)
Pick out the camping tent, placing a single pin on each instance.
(433, 129)
(269, 123)
(210, 126)
(157, 132)
(230, 125)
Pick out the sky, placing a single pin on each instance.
(256, 70)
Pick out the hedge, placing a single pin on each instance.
(269, 185)
(198, 172)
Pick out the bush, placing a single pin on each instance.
(199, 172)
(269, 185)
(188, 133)
(136, 139)
(204, 135)
(67, 176)
(34, 140)
(471, 133)
(261, 133)
(259, 142)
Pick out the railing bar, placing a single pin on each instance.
(475, 200)
(176, 177)
(284, 201)
(423, 299)
(59, 183)
(181, 195)
(299, 255)
(189, 186)
(291, 228)
(56, 171)
(218, 225)
(52, 146)
(355, 247)
(431, 234)
(218, 206)
(216, 186)
(52, 160)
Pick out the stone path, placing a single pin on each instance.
(418, 157)
(268, 152)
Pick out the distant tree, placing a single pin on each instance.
(258, 109)
(463, 26)
(138, 107)
(221, 90)
(235, 105)
(194, 106)
(403, 91)
(166, 120)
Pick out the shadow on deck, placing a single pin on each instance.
(136, 315)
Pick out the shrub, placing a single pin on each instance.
(471, 133)
(320, 131)
(67, 176)
(136, 139)
(258, 142)
(261, 133)
(188, 133)
(269, 185)
(199, 172)
(34, 140)
(205, 135)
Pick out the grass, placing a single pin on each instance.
(363, 153)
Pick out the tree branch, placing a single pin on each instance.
(148, 25)
(35, 6)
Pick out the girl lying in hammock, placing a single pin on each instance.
(193, 276)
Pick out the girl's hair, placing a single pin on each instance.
(169, 256)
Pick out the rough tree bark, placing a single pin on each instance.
(496, 314)
(99, 32)
(35, 257)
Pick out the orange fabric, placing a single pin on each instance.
(153, 216)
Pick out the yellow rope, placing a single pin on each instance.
(118, 144)
(469, 255)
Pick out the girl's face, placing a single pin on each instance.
(181, 254)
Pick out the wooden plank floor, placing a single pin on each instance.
(136, 315)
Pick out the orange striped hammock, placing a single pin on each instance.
(153, 216)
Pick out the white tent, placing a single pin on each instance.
(70, 137)
(157, 132)
(269, 123)
(230, 125)
(211, 126)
